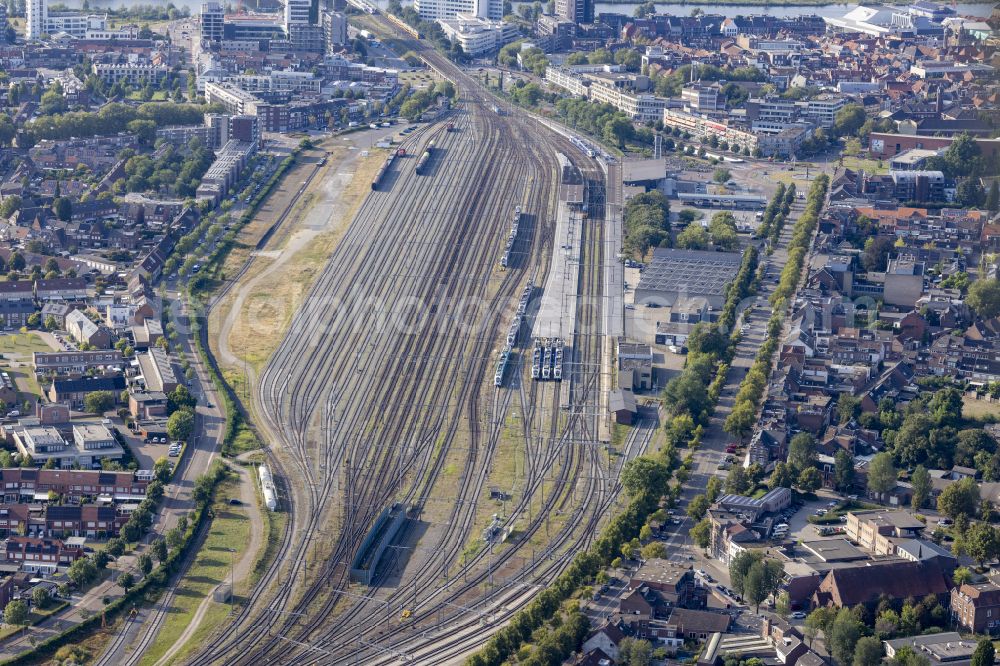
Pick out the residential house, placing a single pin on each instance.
(697, 625)
(84, 331)
(57, 312)
(28, 484)
(74, 391)
(40, 555)
(674, 584)
(77, 362)
(17, 302)
(607, 638)
(61, 290)
(975, 607)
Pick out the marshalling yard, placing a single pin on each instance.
(435, 410)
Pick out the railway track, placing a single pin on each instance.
(357, 442)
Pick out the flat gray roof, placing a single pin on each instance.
(690, 272)
(834, 550)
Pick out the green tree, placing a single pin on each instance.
(145, 563)
(126, 581)
(849, 120)
(867, 651)
(713, 488)
(701, 533)
(848, 407)
(63, 208)
(693, 237)
(10, 205)
(882, 475)
(983, 297)
(741, 419)
(654, 549)
(635, 652)
(907, 656)
(698, 507)
(159, 549)
(810, 480)
(843, 470)
(993, 197)
(722, 175)
(98, 402)
(959, 499)
(40, 597)
(781, 477)
(970, 193)
(180, 424)
(981, 542)
(16, 613)
(16, 262)
(783, 604)
(761, 580)
(740, 565)
(819, 621)
(875, 257)
(962, 156)
(802, 451)
(921, 482)
(962, 576)
(738, 482)
(645, 9)
(180, 398)
(618, 131)
(985, 653)
(843, 637)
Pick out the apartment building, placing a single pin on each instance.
(131, 73)
(570, 81)
(877, 530)
(700, 127)
(627, 93)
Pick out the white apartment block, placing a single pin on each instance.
(432, 10)
(566, 80)
(478, 36)
(130, 73)
(296, 12)
(37, 12)
(636, 105)
(279, 81)
(236, 101)
(822, 111)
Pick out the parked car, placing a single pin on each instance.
(798, 615)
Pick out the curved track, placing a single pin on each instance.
(381, 393)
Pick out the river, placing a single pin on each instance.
(964, 9)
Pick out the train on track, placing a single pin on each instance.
(267, 487)
(384, 169)
(425, 158)
(511, 238)
(512, 332)
(583, 145)
(404, 26)
(547, 359)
